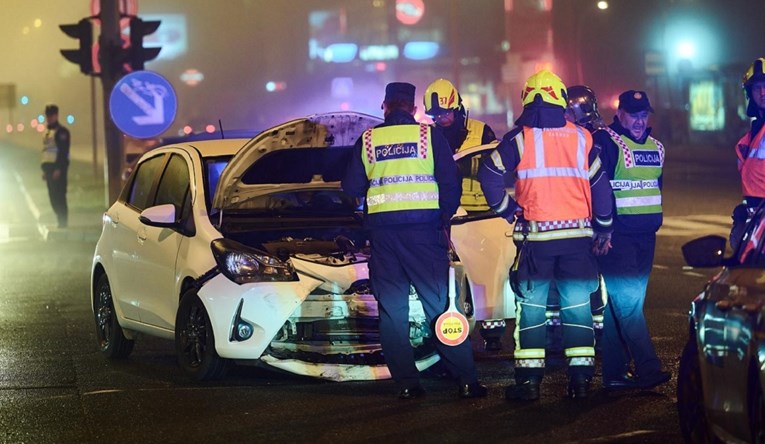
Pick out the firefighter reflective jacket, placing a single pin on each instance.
(636, 175)
(553, 174)
(399, 164)
(751, 163)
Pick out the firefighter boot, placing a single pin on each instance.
(524, 390)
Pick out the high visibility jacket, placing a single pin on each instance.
(472, 197)
(553, 174)
(751, 163)
(50, 148)
(399, 164)
(636, 175)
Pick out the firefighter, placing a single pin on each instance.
(443, 104)
(412, 188)
(750, 150)
(559, 185)
(582, 110)
(633, 161)
(55, 163)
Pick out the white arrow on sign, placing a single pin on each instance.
(154, 115)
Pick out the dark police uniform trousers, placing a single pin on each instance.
(420, 257)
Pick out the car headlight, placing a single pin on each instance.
(243, 264)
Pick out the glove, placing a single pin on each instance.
(601, 243)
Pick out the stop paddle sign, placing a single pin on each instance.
(452, 326)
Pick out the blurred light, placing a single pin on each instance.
(38, 23)
(187, 130)
(505, 45)
(543, 65)
(381, 66)
(40, 128)
(20, 127)
(272, 86)
(420, 50)
(378, 3)
(69, 119)
(9, 128)
(409, 12)
(340, 52)
(345, 106)
(192, 77)
(615, 103)
(509, 5)
(686, 49)
(34, 123)
(41, 118)
(342, 87)
(379, 52)
(602, 5)
(25, 30)
(210, 129)
(24, 100)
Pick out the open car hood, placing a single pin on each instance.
(307, 164)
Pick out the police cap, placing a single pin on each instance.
(399, 91)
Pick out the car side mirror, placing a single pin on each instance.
(161, 216)
(705, 252)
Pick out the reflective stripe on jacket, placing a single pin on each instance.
(553, 174)
(636, 175)
(751, 163)
(472, 195)
(399, 164)
(50, 148)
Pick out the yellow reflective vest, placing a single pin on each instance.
(399, 164)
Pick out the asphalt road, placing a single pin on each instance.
(55, 387)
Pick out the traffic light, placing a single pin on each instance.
(83, 31)
(137, 54)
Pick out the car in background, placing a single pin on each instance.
(721, 380)
(248, 251)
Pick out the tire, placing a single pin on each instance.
(195, 340)
(690, 397)
(111, 340)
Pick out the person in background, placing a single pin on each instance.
(55, 163)
(750, 150)
(562, 200)
(443, 103)
(411, 183)
(633, 161)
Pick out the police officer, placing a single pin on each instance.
(412, 188)
(443, 104)
(750, 150)
(55, 163)
(633, 161)
(559, 185)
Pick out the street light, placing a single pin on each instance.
(601, 6)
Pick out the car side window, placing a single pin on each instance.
(174, 187)
(140, 195)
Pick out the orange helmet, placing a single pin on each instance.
(548, 86)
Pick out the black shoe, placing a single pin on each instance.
(653, 379)
(624, 382)
(411, 392)
(527, 390)
(474, 390)
(578, 387)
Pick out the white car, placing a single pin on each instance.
(248, 251)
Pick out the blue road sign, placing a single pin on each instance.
(143, 104)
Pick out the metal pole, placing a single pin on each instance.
(111, 71)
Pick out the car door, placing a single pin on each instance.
(726, 330)
(122, 232)
(483, 242)
(157, 248)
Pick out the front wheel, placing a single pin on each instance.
(195, 341)
(690, 397)
(111, 340)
